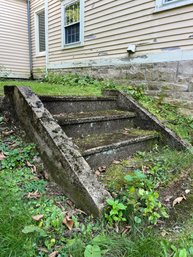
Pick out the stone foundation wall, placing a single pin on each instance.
(176, 75)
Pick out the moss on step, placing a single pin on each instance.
(106, 113)
(96, 140)
(115, 173)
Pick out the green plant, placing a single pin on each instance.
(92, 251)
(142, 198)
(115, 212)
(136, 92)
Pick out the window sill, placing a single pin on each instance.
(42, 54)
(70, 46)
(170, 6)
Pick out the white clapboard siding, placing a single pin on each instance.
(39, 62)
(110, 26)
(14, 48)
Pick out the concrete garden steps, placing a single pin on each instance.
(76, 104)
(102, 133)
(67, 163)
(104, 148)
(96, 122)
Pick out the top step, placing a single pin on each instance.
(69, 104)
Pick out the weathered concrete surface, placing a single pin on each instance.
(74, 126)
(66, 165)
(1, 103)
(105, 154)
(146, 120)
(76, 104)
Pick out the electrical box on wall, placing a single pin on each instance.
(131, 48)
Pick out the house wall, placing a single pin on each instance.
(14, 51)
(160, 37)
(39, 61)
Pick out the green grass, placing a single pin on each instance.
(46, 88)
(19, 234)
(14, 215)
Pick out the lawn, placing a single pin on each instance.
(142, 220)
(45, 88)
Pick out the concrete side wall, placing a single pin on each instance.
(14, 51)
(62, 158)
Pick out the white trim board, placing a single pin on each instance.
(169, 56)
(36, 20)
(81, 42)
(162, 5)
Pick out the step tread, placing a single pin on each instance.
(97, 143)
(76, 98)
(82, 117)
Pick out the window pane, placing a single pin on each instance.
(72, 33)
(41, 25)
(72, 13)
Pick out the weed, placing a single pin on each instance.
(115, 213)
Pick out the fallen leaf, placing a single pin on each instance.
(164, 233)
(126, 230)
(46, 175)
(42, 249)
(178, 200)
(38, 217)
(80, 211)
(33, 195)
(54, 254)
(7, 133)
(187, 191)
(168, 198)
(70, 203)
(2, 156)
(97, 173)
(116, 162)
(102, 169)
(68, 222)
(33, 167)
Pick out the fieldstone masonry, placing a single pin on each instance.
(176, 75)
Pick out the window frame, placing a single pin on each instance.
(162, 5)
(37, 39)
(81, 41)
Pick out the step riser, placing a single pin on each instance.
(84, 129)
(106, 157)
(79, 106)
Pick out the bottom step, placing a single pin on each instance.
(99, 150)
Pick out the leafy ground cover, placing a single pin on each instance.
(151, 214)
(37, 218)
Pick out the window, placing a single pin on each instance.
(72, 26)
(40, 33)
(162, 5)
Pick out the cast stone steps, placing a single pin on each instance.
(84, 123)
(102, 149)
(76, 104)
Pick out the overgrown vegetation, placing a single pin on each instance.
(167, 113)
(74, 84)
(37, 219)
